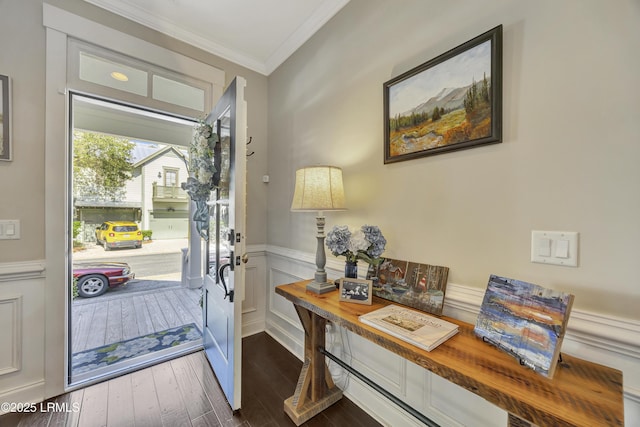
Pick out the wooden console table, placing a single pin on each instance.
(580, 394)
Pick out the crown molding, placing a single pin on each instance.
(309, 27)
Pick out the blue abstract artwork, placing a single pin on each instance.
(525, 320)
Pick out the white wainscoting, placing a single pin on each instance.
(11, 321)
(22, 331)
(606, 340)
(254, 304)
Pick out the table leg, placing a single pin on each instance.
(315, 390)
(515, 421)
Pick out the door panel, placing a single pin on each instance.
(224, 275)
(218, 324)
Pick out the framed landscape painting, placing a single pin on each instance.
(451, 102)
(5, 119)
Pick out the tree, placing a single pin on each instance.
(435, 116)
(102, 164)
(484, 91)
(470, 98)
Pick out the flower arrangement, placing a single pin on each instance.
(366, 244)
(202, 174)
(202, 169)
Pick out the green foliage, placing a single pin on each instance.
(74, 288)
(435, 116)
(401, 122)
(484, 90)
(77, 227)
(146, 234)
(102, 164)
(478, 95)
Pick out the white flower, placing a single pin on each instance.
(358, 242)
(367, 243)
(202, 144)
(201, 165)
(204, 175)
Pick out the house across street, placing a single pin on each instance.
(152, 197)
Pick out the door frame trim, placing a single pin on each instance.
(59, 26)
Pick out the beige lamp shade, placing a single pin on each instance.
(318, 188)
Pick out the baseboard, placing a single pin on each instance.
(285, 339)
(252, 328)
(28, 393)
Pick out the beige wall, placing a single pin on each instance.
(22, 57)
(22, 46)
(568, 160)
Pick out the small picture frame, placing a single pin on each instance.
(358, 291)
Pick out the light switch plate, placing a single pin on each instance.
(562, 243)
(9, 229)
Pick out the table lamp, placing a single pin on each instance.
(318, 189)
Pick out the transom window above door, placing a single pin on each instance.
(100, 71)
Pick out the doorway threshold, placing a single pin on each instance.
(129, 365)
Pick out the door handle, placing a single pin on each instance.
(227, 292)
(245, 258)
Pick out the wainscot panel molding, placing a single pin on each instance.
(603, 339)
(25, 393)
(22, 332)
(255, 291)
(10, 271)
(11, 321)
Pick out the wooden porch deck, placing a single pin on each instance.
(120, 315)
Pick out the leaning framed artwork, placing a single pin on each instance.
(5, 118)
(451, 102)
(421, 286)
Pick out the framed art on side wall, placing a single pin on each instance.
(451, 102)
(5, 118)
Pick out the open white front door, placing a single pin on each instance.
(224, 277)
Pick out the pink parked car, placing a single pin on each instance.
(94, 278)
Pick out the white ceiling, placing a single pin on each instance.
(257, 34)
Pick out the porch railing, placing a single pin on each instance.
(161, 192)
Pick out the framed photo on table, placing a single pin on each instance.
(5, 118)
(356, 290)
(451, 102)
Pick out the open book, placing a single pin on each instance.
(414, 327)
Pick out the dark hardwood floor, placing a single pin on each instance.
(184, 392)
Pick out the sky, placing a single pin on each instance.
(455, 72)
